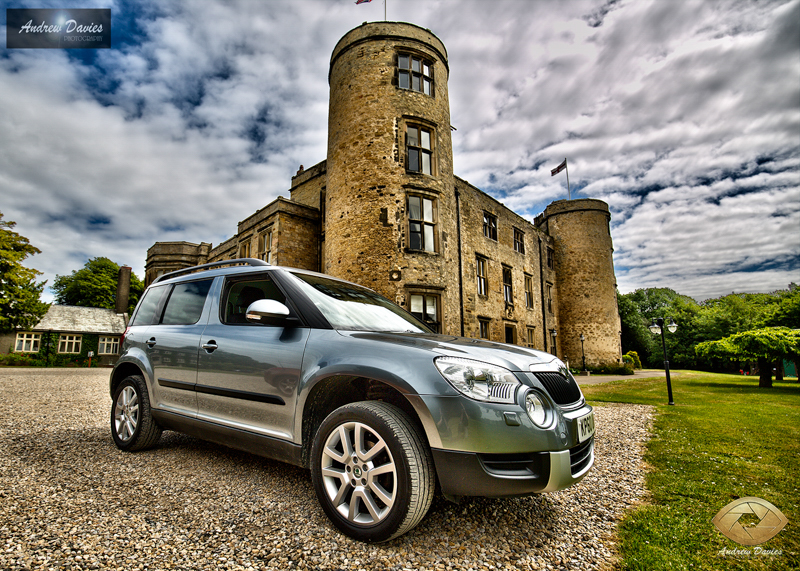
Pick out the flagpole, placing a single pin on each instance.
(558, 169)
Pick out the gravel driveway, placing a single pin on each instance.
(70, 500)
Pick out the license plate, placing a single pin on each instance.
(585, 427)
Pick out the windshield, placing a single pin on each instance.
(351, 307)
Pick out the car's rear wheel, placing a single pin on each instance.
(372, 471)
(132, 424)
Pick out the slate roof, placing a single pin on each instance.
(82, 320)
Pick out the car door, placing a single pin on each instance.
(248, 373)
(172, 346)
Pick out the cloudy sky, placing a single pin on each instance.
(683, 115)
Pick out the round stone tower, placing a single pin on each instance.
(585, 280)
(390, 203)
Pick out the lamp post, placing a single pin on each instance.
(657, 327)
(583, 354)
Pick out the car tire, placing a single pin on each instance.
(132, 424)
(372, 471)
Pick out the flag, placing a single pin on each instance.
(559, 168)
(362, 1)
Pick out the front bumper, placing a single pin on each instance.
(495, 450)
(504, 475)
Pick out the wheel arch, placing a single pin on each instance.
(121, 372)
(335, 391)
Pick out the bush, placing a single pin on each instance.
(612, 369)
(20, 360)
(634, 356)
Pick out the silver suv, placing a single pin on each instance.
(328, 375)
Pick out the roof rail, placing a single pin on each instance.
(236, 262)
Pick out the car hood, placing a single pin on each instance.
(512, 357)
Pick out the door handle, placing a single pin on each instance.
(151, 342)
(209, 346)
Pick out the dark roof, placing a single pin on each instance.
(82, 320)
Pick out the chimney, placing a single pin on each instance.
(123, 289)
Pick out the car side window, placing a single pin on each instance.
(240, 294)
(148, 311)
(185, 304)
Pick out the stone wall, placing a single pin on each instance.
(585, 277)
(165, 257)
(368, 187)
(309, 184)
(498, 254)
(283, 232)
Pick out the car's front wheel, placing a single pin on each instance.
(372, 471)
(132, 424)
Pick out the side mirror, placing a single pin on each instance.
(266, 309)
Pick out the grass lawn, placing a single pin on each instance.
(724, 439)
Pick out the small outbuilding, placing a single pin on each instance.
(71, 335)
(67, 334)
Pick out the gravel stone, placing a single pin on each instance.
(69, 499)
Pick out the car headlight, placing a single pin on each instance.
(479, 381)
(538, 409)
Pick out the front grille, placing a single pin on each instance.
(580, 456)
(563, 390)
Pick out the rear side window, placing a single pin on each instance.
(148, 311)
(186, 302)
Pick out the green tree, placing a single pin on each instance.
(786, 312)
(652, 303)
(764, 345)
(634, 333)
(20, 295)
(733, 313)
(95, 285)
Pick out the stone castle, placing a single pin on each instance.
(386, 211)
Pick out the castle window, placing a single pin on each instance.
(265, 247)
(108, 346)
(425, 307)
(551, 263)
(532, 337)
(508, 288)
(519, 241)
(70, 344)
(529, 292)
(421, 224)
(28, 342)
(483, 279)
(483, 325)
(419, 150)
(511, 334)
(490, 226)
(244, 250)
(415, 73)
(550, 298)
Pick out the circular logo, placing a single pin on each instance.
(770, 521)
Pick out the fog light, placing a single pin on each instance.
(537, 409)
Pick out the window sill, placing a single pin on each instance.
(409, 90)
(421, 175)
(425, 252)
